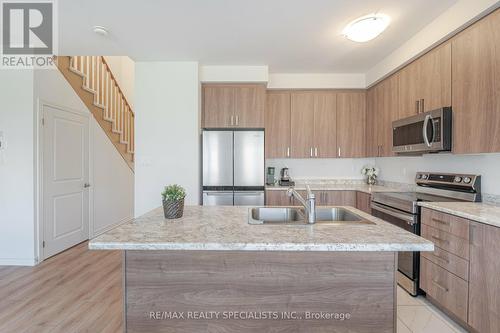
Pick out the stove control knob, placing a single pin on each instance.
(424, 176)
(467, 180)
(458, 179)
(419, 176)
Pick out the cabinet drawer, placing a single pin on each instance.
(453, 224)
(447, 289)
(446, 241)
(448, 261)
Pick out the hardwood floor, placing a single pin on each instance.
(75, 291)
(81, 291)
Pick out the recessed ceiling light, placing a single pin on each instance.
(102, 31)
(366, 28)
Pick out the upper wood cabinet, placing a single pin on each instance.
(484, 283)
(325, 125)
(302, 124)
(476, 87)
(239, 105)
(371, 140)
(382, 111)
(351, 120)
(425, 84)
(313, 124)
(218, 106)
(278, 124)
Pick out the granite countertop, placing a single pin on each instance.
(337, 187)
(475, 211)
(226, 228)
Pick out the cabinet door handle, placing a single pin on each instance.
(417, 106)
(288, 152)
(437, 284)
(338, 151)
(440, 221)
(443, 259)
(311, 152)
(316, 151)
(422, 105)
(440, 239)
(237, 120)
(232, 120)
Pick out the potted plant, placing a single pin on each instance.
(371, 174)
(173, 201)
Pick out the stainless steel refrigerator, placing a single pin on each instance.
(233, 167)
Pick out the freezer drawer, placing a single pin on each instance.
(249, 198)
(249, 158)
(214, 198)
(217, 158)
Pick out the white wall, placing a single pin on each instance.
(167, 131)
(316, 81)
(112, 190)
(332, 168)
(234, 74)
(123, 69)
(403, 169)
(17, 191)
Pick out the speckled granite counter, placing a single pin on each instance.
(480, 212)
(338, 187)
(226, 229)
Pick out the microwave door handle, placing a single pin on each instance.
(424, 130)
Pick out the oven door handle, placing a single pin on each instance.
(411, 220)
(424, 130)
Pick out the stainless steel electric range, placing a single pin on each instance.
(402, 210)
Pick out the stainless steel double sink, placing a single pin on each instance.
(296, 216)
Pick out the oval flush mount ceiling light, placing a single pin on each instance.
(100, 30)
(366, 28)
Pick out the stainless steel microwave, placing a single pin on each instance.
(423, 133)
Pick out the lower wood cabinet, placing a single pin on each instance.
(363, 202)
(484, 278)
(462, 274)
(277, 198)
(447, 289)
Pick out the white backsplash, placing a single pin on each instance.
(322, 168)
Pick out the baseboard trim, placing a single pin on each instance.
(17, 262)
(111, 226)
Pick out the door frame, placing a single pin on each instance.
(38, 177)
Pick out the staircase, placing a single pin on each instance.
(92, 80)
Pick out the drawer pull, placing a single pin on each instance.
(440, 221)
(440, 286)
(443, 259)
(440, 239)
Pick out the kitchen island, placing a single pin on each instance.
(212, 271)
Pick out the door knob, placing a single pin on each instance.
(86, 185)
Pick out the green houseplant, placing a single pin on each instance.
(173, 201)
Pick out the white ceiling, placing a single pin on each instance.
(287, 35)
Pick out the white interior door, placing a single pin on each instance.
(65, 179)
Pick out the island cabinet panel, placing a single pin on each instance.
(282, 291)
(363, 202)
(476, 86)
(277, 198)
(484, 279)
(278, 124)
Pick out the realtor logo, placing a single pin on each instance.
(28, 38)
